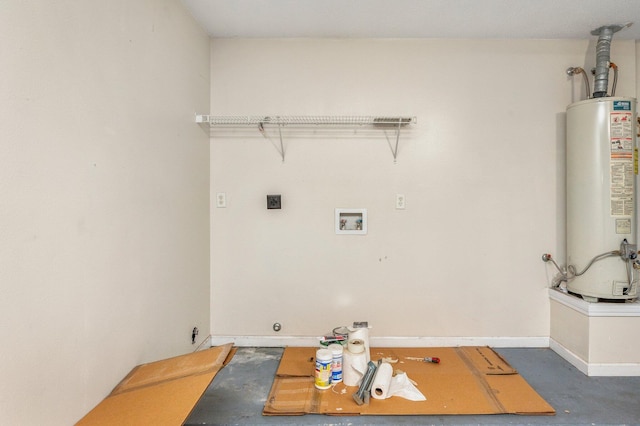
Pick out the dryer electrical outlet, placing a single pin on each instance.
(274, 202)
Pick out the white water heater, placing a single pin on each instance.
(601, 198)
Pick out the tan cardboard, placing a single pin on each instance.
(468, 380)
(162, 392)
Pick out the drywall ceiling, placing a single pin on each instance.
(538, 19)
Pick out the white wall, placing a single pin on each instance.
(104, 228)
(482, 172)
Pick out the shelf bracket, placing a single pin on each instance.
(264, 134)
(395, 149)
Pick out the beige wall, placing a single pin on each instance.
(570, 329)
(104, 245)
(614, 340)
(600, 339)
(482, 173)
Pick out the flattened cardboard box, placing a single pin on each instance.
(162, 392)
(468, 380)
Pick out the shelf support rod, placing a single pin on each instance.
(395, 151)
(281, 144)
(262, 131)
(394, 148)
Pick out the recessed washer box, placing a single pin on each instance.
(351, 221)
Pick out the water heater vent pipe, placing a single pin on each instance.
(603, 55)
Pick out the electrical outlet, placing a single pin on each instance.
(400, 201)
(274, 202)
(221, 200)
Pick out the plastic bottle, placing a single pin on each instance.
(324, 358)
(336, 363)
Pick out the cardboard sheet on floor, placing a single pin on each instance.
(468, 380)
(162, 392)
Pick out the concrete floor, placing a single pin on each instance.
(239, 391)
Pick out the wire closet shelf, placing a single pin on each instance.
(305, 120)
(262, 122)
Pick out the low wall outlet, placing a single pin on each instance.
(400, 201)
(221, 200)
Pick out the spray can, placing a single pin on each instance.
(324, 358)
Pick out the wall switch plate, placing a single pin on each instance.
(221, 200)
(274, 202)
(400, 201)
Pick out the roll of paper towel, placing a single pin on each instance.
(354, 363)
(361, 334)
(382, 381)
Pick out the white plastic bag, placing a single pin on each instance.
(401, 386)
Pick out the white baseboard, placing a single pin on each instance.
(569, 356)
(612, 369)
(206, 343)
(620, 369)
(593, 369)
(388, 342)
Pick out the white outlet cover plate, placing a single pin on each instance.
(221, 200)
